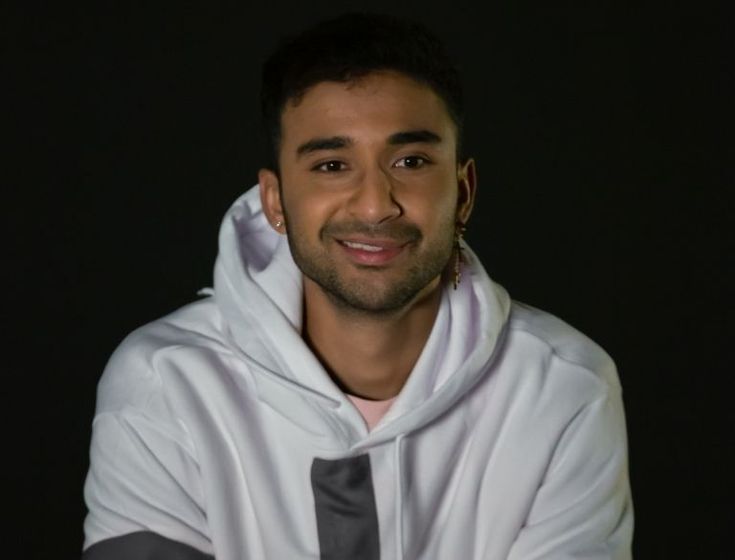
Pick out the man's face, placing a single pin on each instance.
(369, 189)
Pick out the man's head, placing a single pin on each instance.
(368, 185)
(349, 47)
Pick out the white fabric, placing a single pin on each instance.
(507, 441)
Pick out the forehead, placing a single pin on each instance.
(378, 103)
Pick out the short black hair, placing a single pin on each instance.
(347, 48)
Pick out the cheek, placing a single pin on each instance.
(306, 212)
(432, 208)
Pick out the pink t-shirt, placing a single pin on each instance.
(372, 411)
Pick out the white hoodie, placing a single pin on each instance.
(217, 431)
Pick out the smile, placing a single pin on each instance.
(371, 252)
(362, 246)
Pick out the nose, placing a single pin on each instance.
(373, 200)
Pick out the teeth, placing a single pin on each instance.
(362, 246)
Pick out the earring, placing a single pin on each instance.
(278, 224)
(458, 255)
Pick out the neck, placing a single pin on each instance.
(368, 355)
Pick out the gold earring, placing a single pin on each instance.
(458, 255)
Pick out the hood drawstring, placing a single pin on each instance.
(399, 496)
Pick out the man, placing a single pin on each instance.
(357, 387)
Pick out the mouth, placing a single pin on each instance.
(363, 246)
(371, 252)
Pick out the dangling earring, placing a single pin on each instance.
(458, 256)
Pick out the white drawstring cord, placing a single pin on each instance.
(399, 498)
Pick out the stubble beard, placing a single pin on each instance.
(373, 297)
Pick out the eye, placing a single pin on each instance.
(411, 162)
(329, 166)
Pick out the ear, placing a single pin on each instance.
(466, 187)
(270, 199)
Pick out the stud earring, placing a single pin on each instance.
(458, 255)
(278, 224)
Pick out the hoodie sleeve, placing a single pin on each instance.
(583, 508)
(143, 489)
(143, 492)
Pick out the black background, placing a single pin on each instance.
(603, 199)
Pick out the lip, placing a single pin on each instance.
(369, 251)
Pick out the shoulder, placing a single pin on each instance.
(565, 351)
(132, 375)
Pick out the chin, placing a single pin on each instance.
(372, 299)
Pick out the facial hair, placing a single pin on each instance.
(373, 298)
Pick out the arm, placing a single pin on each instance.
(583, 508)
(143, 492)
(143, 489)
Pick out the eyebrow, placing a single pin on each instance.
(316, 144)
(399, 138)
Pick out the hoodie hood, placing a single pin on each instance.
(258, 289)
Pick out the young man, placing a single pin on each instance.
(357, 387)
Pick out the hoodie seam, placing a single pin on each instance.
(555, 354)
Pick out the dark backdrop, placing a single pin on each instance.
(602, 199)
